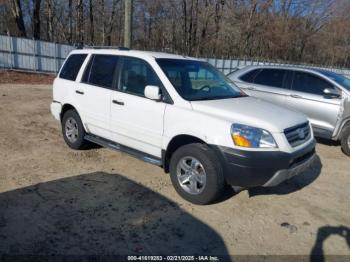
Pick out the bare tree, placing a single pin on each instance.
(80, 21)
(16, 11)
(92, 25)
(36, 19)
(70, 21)
(49, 19)
(111, 23)
(309, 31)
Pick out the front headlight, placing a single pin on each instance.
(248, 136)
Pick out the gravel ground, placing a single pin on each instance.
(54, 200)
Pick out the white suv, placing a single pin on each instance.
(181, 114)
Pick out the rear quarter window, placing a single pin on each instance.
(72, 66)
(249, 76)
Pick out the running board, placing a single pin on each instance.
(118, 147)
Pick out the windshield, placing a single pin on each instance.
(341, 80)
(196, 80)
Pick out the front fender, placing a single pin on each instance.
(183, 121)
(343, 118)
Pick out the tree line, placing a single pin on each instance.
(299, 31)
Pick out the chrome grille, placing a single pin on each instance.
(297, 135)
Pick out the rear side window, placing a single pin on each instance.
(72, 66)
(249, 77)
(270, 77)
(100, 71)
(308, 83)
(135, 75)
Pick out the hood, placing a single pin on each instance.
(251, 111)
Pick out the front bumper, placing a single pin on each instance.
(263, 168)
(285, 174)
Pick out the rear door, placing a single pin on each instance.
(268, 84)
(95, 91)
(307, 96)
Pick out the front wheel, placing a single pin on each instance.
(196, 174)
(345, 141)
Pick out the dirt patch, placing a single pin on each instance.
(54, 200)
(19, 77)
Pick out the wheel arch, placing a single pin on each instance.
(65, 108)
(345, 123)
(175, 143)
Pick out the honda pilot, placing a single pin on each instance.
(183, 115)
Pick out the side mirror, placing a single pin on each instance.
(153, 92)
(331, 92)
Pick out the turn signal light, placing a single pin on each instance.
(241, 140)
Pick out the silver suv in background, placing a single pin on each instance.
(323, 96)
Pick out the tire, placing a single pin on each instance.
(345, 140)
(202, 184)
(71, 124)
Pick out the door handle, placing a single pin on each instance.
(79, 92)
(296, 96)
(251, 88)
(118, 102)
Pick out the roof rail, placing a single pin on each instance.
(108, 47)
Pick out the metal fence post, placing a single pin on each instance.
(56, 65)
(34, 55)
(11, 53)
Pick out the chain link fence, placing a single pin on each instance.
(40, 56)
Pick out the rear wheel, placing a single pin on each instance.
(196, 174)
(345, 141)
(73, 130)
